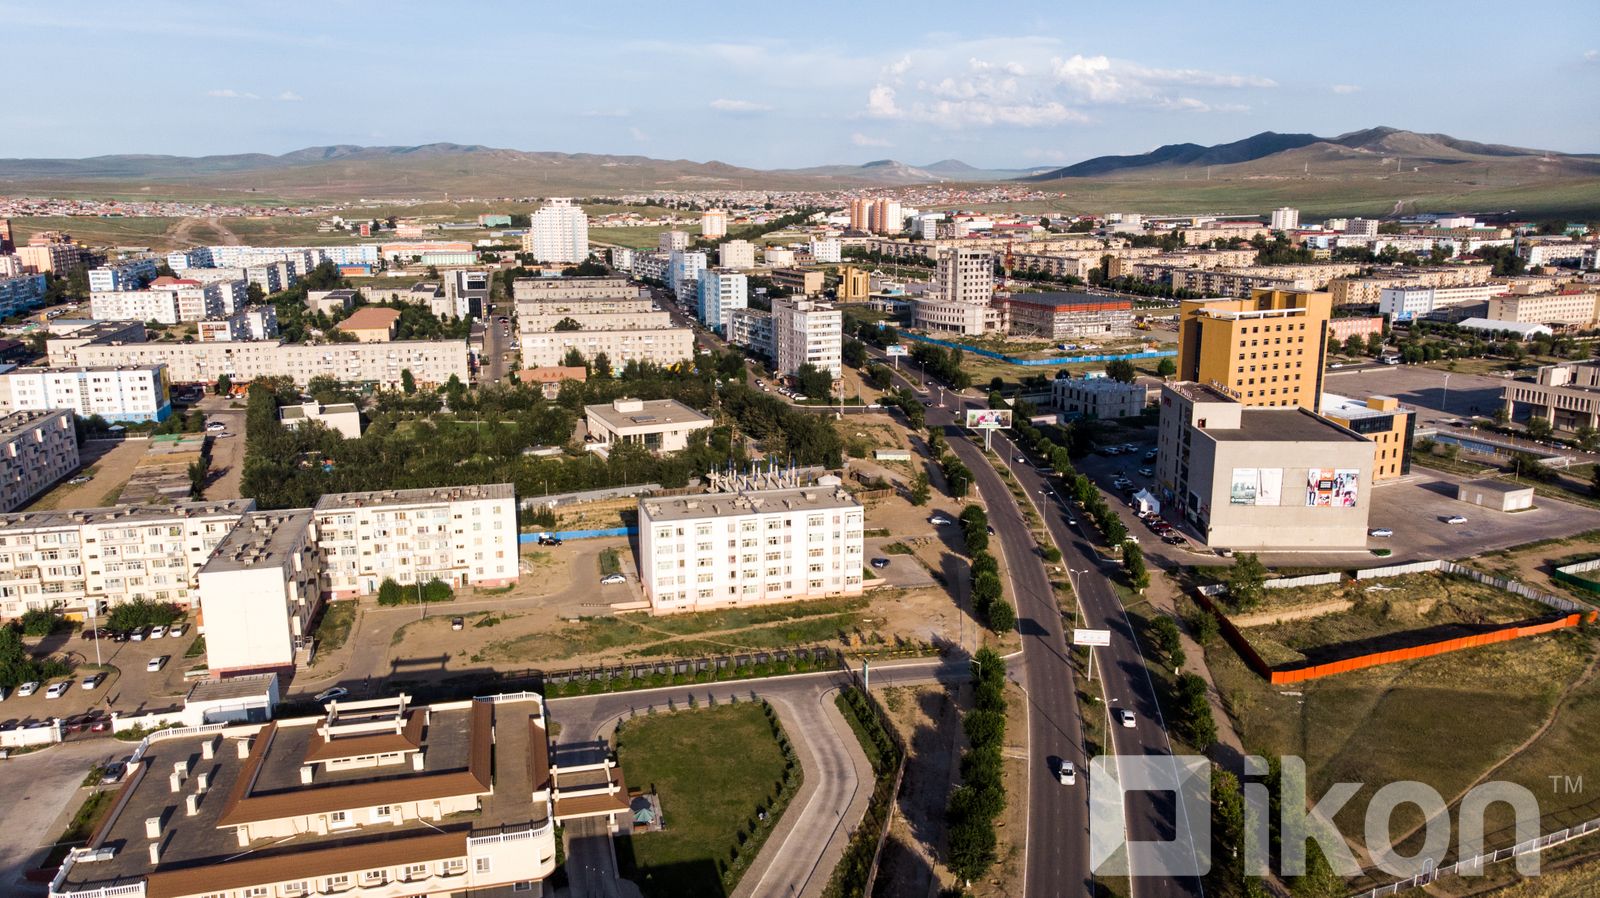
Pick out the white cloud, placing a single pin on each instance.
(1345, 88)
(739, 107)
(1591, 55)
(864, 140)
(290, 96)
(228, 93)
(880, 102)
(898, 67)
(638, 135)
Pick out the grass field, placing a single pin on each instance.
(706, 802)
(647, 237)
(334, 629)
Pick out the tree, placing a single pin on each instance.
(567, 324)
(574, 359)
(224, 385)
(1167, 636)
(1133, 563)
(390, 592)
(1002, 617)
(1354, 345)
(601, 366)
(854, 353)
(814, 382)
(1245, 581)
(1166, 367)
(920, 491)
(198, 470)
(408, 382)
(1539, 428)
(1588, 438)
(39, 621)
(1121, 370)
(986, 589)
(1501, 416)
(1374, 344)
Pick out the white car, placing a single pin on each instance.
(216, 426)
(1456, 519)
(940, 520)
(93, 681)
(1066, 774)
(158, 631)
(328, 695)
(1125, 717)
(156, 663)
(177, 630)
(610, 579)
(28, 688)
(1380, 532)
(57, 690)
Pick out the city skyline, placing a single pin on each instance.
(849, 85)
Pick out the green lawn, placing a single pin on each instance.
(709, 805)
(646, 237)
(334, 630)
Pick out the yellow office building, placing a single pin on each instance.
(1267, 350)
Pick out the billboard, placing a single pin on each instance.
(1331, 487)
(988, 418)
(1256, 486)
(896, 349)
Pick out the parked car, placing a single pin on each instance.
(1380, 532)
(93, 681)
(610, 579)
(137, 634)
(80, 479)
(880, 563)
(1174, 539)
(1147, 472)
(158, 631)
(57, 690)
(112, 773)
(177, 630)
(328, 695)
(940, 520)
(1125, 717)
(1066, 774)
(28, 688)
(120, 635)
(1456, 519)
(549, 540)
(457, 623)
(1150, 456)
(156, 663)
(216, 426)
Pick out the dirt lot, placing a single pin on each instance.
(109, 462)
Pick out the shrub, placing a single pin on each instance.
(389, 592)
(1002, 617)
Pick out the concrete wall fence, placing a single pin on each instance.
(1574, 613)
(1568, 574)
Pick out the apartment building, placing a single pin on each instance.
(51, 253)
(1365, 291)
(719, 292)
(1058, 316)
(369, 799)
(1285, 218)
(20, 293)
(752, 329)
(1241, 282)
(714, 224)
(664, 346)
(1057, 265)
(963, 275)
(826, 250)
(1097, 397)
(552, 314)
(431, 362)
(10, 265)
(778, 257)
(117, 393)
(558, 232)
(132, 274)
(1381, 420)
(371, 324)
(672, 241)
(1342, 329)
(1574, 307)
(659, 425)
(621, 258)
(737, 254)
(1261, 478)
(957, 317)
(803, 281)
(109, 556)
(806, 332)
(234, 283)
(886, 217)
(1550, 252)
(1361, 227)
(259, 592)
(167, 301)
(249, 323)
(37, 448)
(463, 535)
(1408, 302)
(65, 335)
(1267, 350)
(759, 539)
(562, 288)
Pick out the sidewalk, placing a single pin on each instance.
(1229, 750)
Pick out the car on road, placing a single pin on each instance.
(328, 695)
(216, 426)
(1066, 774)
(1380, 532)
(989, 528)
(93, 681)
(880, 563)
(549, 540)
(610, 579)
(457, 623)
(80, 479)
(1146, 472)
(940, 520)
(28, 688)
(57, 690)
(1125, 717)
(1021, 460)
(1456, 519)
(156, 663)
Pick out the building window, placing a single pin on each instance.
(382, 812)
(480, 865)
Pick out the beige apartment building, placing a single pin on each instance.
(109, 556)
(1569, 308)
(51, 252)
(543, 321)
(657, 345)
(431, 362)
(37, 448)
(1267, 350)
(1365, 291)
(1241, 282)
(463, 535)
(1261, 478)
(550, 289)
(371, 799)
(259, 592)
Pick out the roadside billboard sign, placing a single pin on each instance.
(988, 418)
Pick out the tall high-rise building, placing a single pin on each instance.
(806, 332)
(1285, 218)
(558, 232)
(861, 214)
(964, 275)
(714, 223)
(683, 265)
(719, 293)
(1361, 227)
(1267, 350)
(737, 254)
(886, 217)
(672, 240)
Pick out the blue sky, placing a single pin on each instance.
(782, 85)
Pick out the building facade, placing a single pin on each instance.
(806, 332)
(1097, 397)
(719, 293)
(1567, 395)
(37, 449)
(659, 425)
(431, 362)
(20, 293)
(259, 592)
(964, 275)
(118, 394)
(1408, 302)
(1381, 420)
(558, 232)
(664, 346)
(1267, 350)
(737, 254)
(1575, 307)
(1058, 316)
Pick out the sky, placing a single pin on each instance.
(1013, 85)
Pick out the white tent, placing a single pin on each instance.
(1146, 502)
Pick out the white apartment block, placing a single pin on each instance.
(1285, 218)
(650, 266)
(737, 254)
(431, 362)
(827, 250)
(956, 317)
(621, 258)
(558, 232)
(21, 292)
(684, 265)
(1361, 227)
(752, 329)
(750, 546)
(806, 332)
(964, 275)
(118, 393)
(132, 274)
(234, 283)
(463, 535)
(719, 293)
(259, 592)
(305, 257)
(1551, 251)
(777, 257)
(544, 321)
(658, 345)
(37, 448)
(549, 289)
(109, 555)
(672, 241)
(168, 302)
(1577, 308)
(1405, 303)
(714, 223)
(249, 323)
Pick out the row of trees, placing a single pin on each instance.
(945, 364)
(17, 666)
(988, 595)
(981, 797)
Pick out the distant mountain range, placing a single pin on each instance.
(1272, 153)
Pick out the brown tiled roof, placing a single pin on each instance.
(352, 859)
(370, 318)
(408, 739)
(591, 804)
(538, 756)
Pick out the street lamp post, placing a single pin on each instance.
(1444, 402)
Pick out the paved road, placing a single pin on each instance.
(41, 794)
(808, 842)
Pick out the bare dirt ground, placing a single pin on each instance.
(930, 724)
(110, 463)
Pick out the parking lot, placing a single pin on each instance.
(1416, 507)
(128, 687)
(1422, 388)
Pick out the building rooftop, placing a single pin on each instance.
(132, 514)
(1102, 385)
(369, 318)
(79, 369)
(1069, 300)
(297, 412)
(260, 539)
(713, 505)
(18, 422)
(231, 689)
(1282, 425)
(627, 413)
(1490, 485)
(375, 498)
(1199, 392)
(1351, 409)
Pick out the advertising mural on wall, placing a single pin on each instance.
(1256, 486)
(1331, 488)
(1270, 489)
